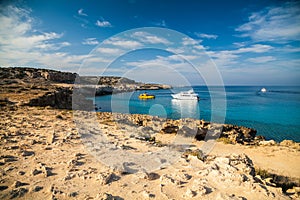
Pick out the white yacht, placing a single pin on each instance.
(263, 90)
(188, 95)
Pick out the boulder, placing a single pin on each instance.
(267, 143)
(201, 133)
(170, 129)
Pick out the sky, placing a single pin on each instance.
(176, 42)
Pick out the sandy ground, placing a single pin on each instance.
(45, 155)
(276, 159)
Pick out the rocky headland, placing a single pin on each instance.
(44, 87)
(44, 153)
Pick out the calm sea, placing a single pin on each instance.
(274, 114)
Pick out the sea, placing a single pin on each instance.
(275, 114)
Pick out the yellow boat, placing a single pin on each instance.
(146, 96)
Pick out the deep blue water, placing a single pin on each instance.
(274, 114)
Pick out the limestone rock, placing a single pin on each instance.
(105, 178)
(169, 129)
(267, 143)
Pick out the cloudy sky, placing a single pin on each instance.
(245, 42)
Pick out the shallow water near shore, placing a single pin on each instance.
(274, 114)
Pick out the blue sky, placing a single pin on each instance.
(248, 42)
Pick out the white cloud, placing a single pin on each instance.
(21, 44)
(223, 58)
(108, 50)
(178, 50)
(149, 38)
(56, 46)
(90, 41)
(189, 41)
(173, 69)
(89, 60)
(123, 43)
(256, 48)
(80, 12)
(262, 59)
(239, 44)
(289, 49)
(206, 36)
(103, 23)
(17, 32)
(230, 57)
(276, 24)
(174, 61)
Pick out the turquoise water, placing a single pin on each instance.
(274, 114)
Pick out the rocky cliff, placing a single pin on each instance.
(44, 87)
(33, 75)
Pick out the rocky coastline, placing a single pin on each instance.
(44, 87)
(43, 153)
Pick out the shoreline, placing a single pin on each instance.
(41, 87)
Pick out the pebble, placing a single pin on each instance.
(27, 153)
(73, 194)
(3, 187)
(152, 176)
(21, 173)
(37, 188)
(46, 171)
(17, 184)
(148, 195)
(35, 172)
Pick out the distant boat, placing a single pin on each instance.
(146, 96)
(263, 90)
(188, 95)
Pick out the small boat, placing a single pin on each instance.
(263, 90)
(146, 96)
(188, 95)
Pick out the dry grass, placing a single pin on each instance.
(224, 140)
(281, 181)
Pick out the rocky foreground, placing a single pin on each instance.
(48, 151)
(44, 156)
